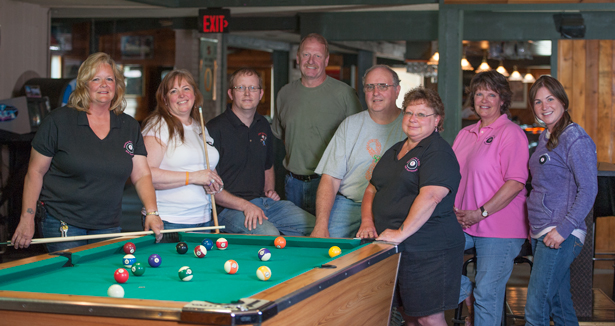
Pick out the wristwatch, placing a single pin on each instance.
(153, 213)
(483, 211)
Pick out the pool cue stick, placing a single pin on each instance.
(112, 235)
(213, 200)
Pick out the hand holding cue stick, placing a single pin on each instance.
(213, 200)
(113, 235)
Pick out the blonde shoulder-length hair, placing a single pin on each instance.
(80, 98)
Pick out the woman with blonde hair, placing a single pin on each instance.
(81, 157)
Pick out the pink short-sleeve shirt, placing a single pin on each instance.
(488, 157)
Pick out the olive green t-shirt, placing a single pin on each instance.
(307, 117)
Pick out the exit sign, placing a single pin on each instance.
(214, 20)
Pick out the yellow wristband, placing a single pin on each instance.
(187, 175)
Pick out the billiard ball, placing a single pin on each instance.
(207, 243)
(121, 275)
(185, 274)
(115, 291)
(280, 242)
(129, 260)
(221, 243)
(154, 260)
(334, 251)
(200, 251)
(263, 273)
(129, 248)
(181, 248)
(264, 254)
(137, 269)
(231, 266)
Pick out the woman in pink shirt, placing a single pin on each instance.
(490, 204)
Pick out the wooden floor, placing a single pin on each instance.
(603, 311)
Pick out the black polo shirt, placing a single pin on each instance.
(85, 182)
(245, 153)
(398, 182)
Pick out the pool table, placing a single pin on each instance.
(307, 287)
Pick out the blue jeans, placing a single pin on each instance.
(548, 294)
(50, 228)
(302, 193)
(345, 218)
(283, 217)
(494, 264)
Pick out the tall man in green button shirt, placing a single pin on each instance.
(359, 142)
(308, 112)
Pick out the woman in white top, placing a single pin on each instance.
(176, 155)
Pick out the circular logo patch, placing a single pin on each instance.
(129, 148)
(489, 140)
(543, 158)
(413, 164)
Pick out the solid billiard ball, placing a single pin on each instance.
(221, 243)
(231, 266)
(137, 269)
(264, 254)
(129, 248)
(263, 273)
(334, 251)
(129, 260)
(121, 275)
(185, 273)
(181, 248)
(154, 260)
(207, 243)
(115, 291)
(280, 242)
(200, 251)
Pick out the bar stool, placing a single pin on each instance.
(526, 251)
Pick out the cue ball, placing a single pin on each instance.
(221, 243)
(137, 269)
(200, 251)
(334, 251)
(264, 254)
(231, 266)
(280, 242)
(121, 275)
(129, 260)
(154, 260)
(115, 291)
(181, 248)
(263, 273)
(207, 243)
(129, 248)
(185, 274)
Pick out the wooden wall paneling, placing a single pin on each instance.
(591, 87)
(577, 95)
(604, 143)
(564, 64)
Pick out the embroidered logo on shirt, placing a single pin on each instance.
(129, 148)
(413, 164)
(375, 150)
(263, 138)
(489, 140)
(544, 158)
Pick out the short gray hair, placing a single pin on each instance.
(394, 75)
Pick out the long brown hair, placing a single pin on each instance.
(162, 111)
(557, 90)
(80, 98)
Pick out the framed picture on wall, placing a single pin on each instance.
(519, 95)
(137, 47)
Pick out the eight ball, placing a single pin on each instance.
(181, 248)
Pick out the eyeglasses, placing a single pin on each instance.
(418, 115)
(243, 88)
(381, 87)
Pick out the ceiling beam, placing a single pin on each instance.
(161, 3)
(278, 3)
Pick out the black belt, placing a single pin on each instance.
(306, 178)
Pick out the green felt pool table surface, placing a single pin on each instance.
(93, 269)
(306, 287)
